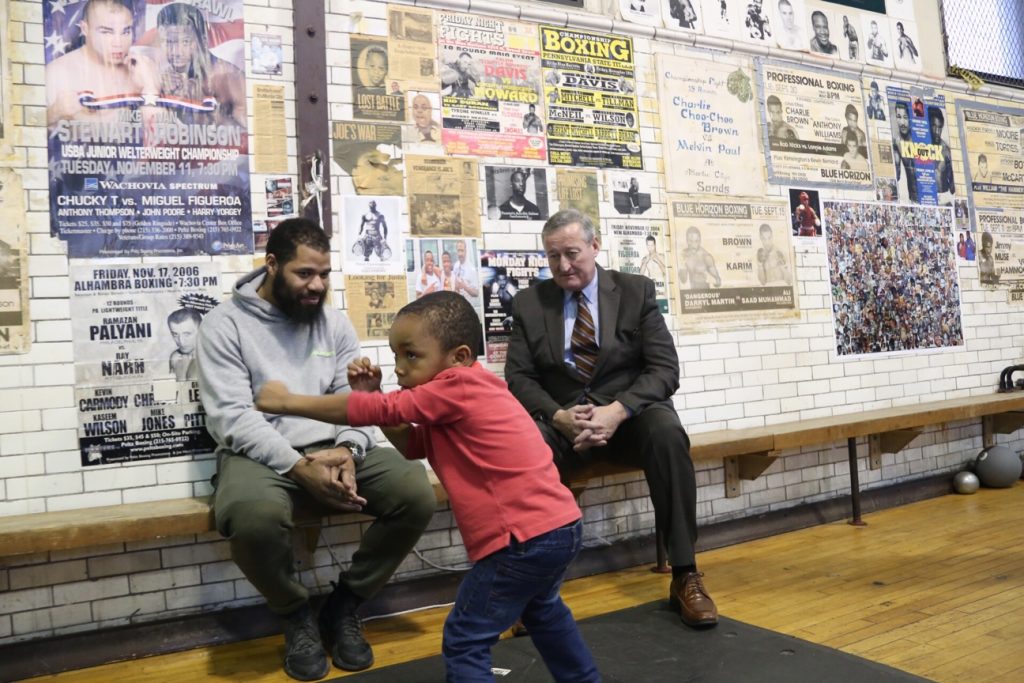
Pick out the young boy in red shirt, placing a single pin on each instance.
(520, 525)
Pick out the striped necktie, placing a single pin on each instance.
(583, 342)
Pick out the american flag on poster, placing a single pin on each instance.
(225, 25)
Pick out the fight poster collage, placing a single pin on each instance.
(494, 125)
(461, 128)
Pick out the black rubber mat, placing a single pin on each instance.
(648, 644)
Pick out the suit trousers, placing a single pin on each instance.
(655, 441)
(254, 507)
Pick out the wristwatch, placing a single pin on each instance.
(357, 451)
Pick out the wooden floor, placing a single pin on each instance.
(934, 588)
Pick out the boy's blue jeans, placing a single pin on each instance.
(524, 580)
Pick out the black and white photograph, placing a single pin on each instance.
(790, 32)
(647, 12)
(848, 36)
(683, 14)
(757, 26)
(877, 108)
(822, 32)
(905, 38)
(630, 193)
(721, 18)
(876, 40)
(373, 234)
(516, 193)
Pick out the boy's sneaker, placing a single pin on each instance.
(304, 658)
(343, 629)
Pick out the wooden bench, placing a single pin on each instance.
(746, 454)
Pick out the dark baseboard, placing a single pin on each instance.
(53, 655)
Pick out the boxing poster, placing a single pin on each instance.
(733, 258)
(490, 87)
(910, 132)
(146, 128)
(590, 90)
(993, 153)
(639, 247)
(893, 278)
(814, 129)
(134, 330)
(709, 126)
(15, 323)
(502, 275)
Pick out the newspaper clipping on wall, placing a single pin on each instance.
(371, 154)
(15, 324)
(490, 87)
(993, 152)
(590, 90)
(154, 162)
(640, 247)
(134, 329)
(412, 48)
(733, 258)
(709, 127)
(270, 137)
(372, 301)
(502, 275)
(578, 190)
(813, 127)
(443, 196)
(374, 94)
(893, 277)
(910, 144)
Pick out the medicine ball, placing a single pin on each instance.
(997, 467)
(965, 482)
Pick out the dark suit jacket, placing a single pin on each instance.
(637, 364)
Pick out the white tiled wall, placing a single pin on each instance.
(731, 378)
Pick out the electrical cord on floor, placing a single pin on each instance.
(464, 568)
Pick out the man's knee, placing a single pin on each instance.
(413, 497)
(252, 520)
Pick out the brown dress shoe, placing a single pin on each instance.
(688, 596)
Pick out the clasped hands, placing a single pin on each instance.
(589, 426)
(328, 475)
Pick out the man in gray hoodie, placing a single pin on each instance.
(276, 326)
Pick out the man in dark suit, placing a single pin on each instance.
(591, 359)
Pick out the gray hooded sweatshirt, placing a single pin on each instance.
(246, 341)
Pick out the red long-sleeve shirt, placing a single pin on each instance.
(486, 450)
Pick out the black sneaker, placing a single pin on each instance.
(343, 629)
(304, 658)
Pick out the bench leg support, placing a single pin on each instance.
(851, 449)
